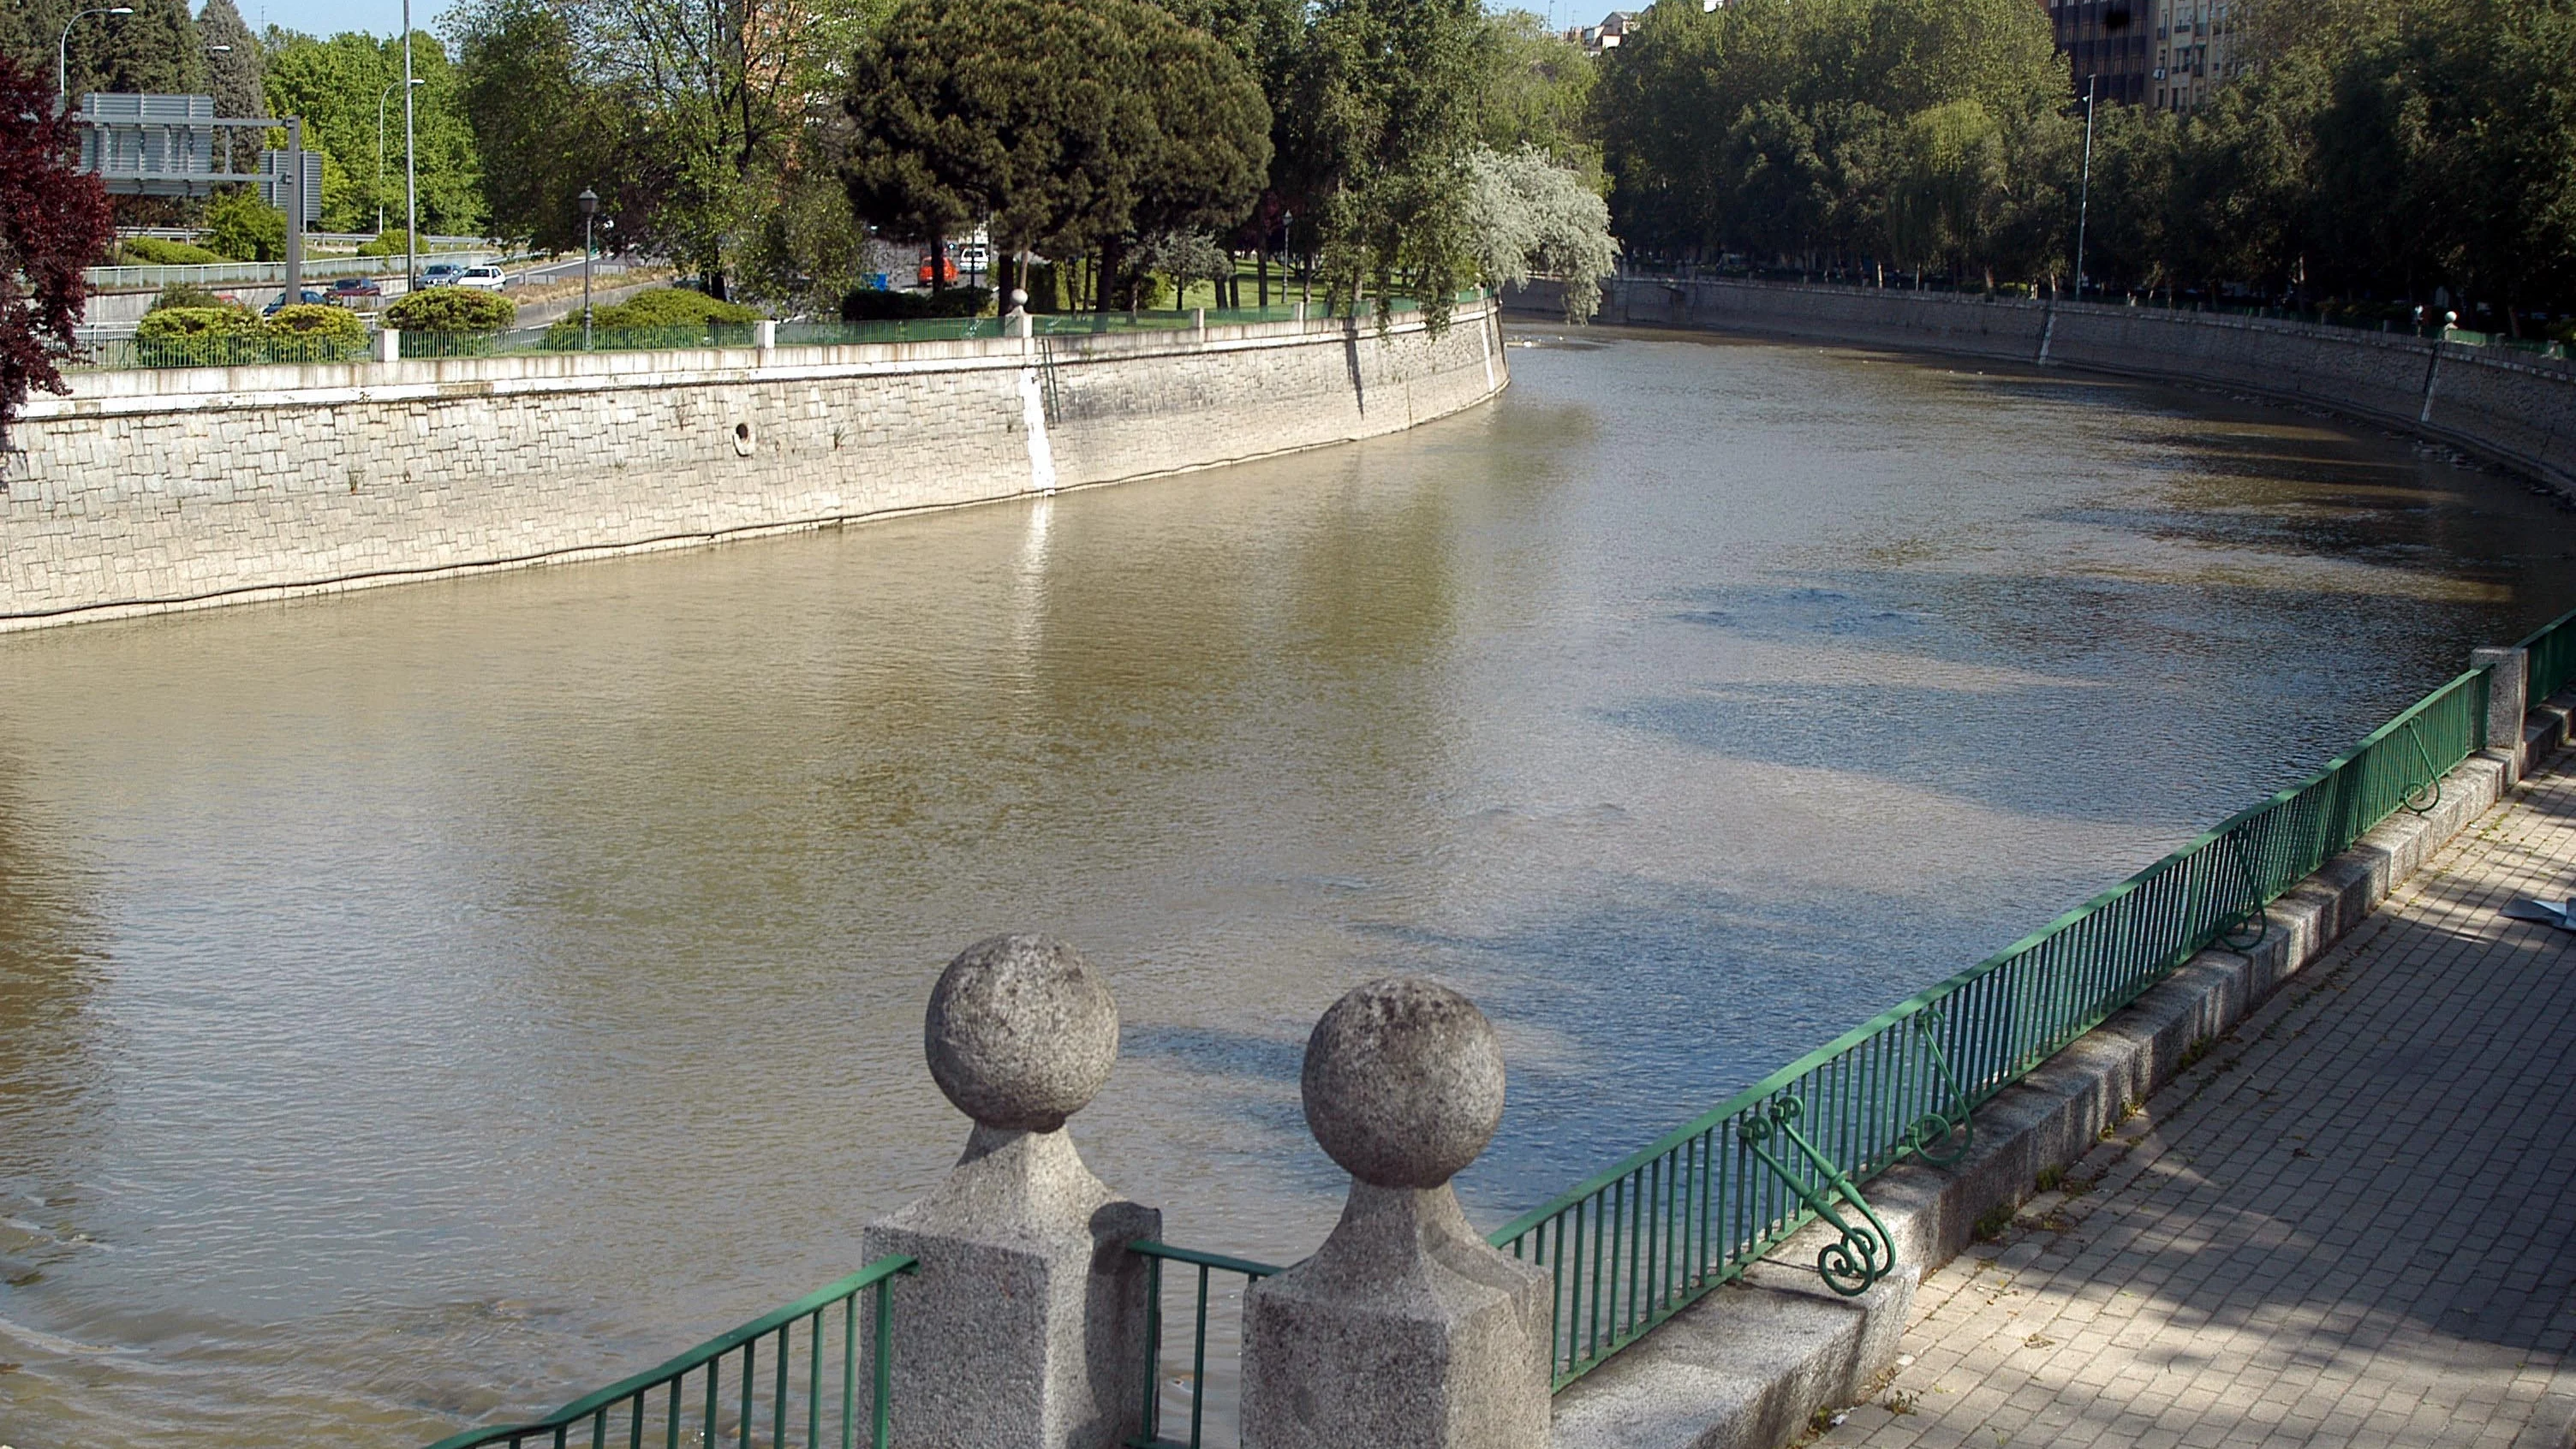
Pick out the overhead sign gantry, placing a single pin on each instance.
(156, 145)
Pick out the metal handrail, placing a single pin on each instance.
(2550, 657)
(1149, 1435)
(634, 1393)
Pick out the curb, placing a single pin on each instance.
(1749, 1366)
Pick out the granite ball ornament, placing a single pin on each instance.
(1403, 1082)
(1021, 1032)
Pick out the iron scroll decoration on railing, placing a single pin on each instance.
(1861, 1253)
(1931, 1137)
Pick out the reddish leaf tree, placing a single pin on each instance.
(54, 222)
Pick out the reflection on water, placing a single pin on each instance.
(430, 1001)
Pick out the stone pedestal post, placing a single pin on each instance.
(764, 335)
(388, 345)
(2508, 682)
(1024, 1327)
(1405, 1330)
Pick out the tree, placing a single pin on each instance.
(541, 133)
(54, 223)
(1390, 91)
(1532, 214)
(236, 73)
(1946, 191)
(241, 226)
(336, 85)
(155, 49)
(716, 92)
(1077, 128)
(1536, 90)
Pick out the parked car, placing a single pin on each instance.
(440, 274)
(487, 278)
(946, 275)
(351, 289)
(309, 297)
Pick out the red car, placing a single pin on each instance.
(947, 272)
(350, 289)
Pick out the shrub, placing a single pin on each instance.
(387, 244)
(240, 226)
(669, 307)
(153, 251)
(870, 305)
(185, 294)
(321, 323)
(171, 324)
(451, 309)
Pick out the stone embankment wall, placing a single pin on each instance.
(2510, 407)
(146, 491)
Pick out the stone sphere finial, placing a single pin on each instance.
(1019, 297)
(1021, 1032)
(1403, 1082)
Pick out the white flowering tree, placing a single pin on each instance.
(1532, 216)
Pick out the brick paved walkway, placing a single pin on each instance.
(2352, 1222)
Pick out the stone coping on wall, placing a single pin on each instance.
(1747, 1366)
(129, 391)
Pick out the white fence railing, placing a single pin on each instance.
(251, 274)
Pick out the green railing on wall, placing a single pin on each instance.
(1636, 1244)
(789, 1377)
(1152, 1435)
(2551, 656)
(215, 349)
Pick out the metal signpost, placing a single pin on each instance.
(156, 145)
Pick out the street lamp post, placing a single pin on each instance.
(589, 200)
(63, 53)
(2084, 207)
(411, 172)
(381, 97)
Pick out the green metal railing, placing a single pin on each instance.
(1155, 1256)
(1636, 1244)
(750, 1407)
(2551, 656)
(216, 349)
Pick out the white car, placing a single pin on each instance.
(489, 279)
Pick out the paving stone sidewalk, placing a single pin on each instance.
(2352, 1221)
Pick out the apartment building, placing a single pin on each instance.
(2192, 44)
(2170, 54)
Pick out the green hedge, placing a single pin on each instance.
(153, 251)
(230, 336)
(451, 309)
(668, 307)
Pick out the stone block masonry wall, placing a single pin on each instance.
(153, 490)
(2514, 408)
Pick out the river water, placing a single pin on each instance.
(439, 1000)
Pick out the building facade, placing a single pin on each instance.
(2170, 54)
